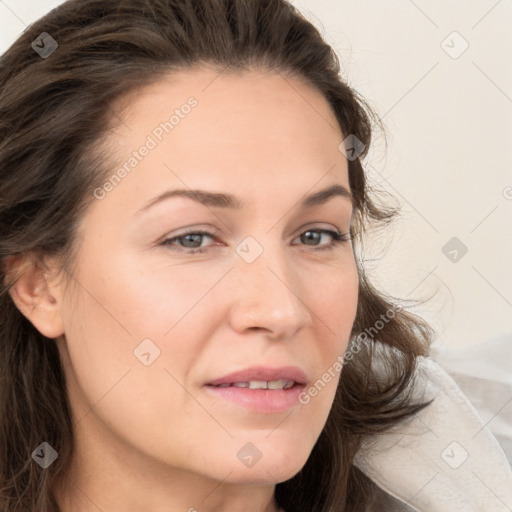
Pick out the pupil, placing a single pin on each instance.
(188, 238)
(311, 235)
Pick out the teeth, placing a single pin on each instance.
(280, 384)
(261, 384)
(257, 384)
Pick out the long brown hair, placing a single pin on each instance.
(54, 113)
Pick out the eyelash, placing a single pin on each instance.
(337, 238)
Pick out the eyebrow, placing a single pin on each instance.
(223, 200)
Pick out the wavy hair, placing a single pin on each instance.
(54, 114)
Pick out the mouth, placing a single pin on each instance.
(260, 384)
(260, 389)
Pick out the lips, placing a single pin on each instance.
(260, 389)
(259, 377)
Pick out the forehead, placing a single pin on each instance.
(257, 104)
(235, 87)
(257, 126)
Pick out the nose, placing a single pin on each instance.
(268, 296)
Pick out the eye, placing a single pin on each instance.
(315, 235)
(190, 242)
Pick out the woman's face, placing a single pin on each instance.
(158, 319)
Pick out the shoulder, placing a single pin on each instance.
(430, 461)
(483, 372)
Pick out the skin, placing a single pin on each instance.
(150, 437)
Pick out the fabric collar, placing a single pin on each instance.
(444, 458)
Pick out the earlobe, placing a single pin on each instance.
(35, 296)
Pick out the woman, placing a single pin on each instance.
(185, 320)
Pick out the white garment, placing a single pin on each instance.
(446, 458)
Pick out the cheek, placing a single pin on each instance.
(107, 380)
(125, 316)
(335, 308)
(333, 299)
(154, 301)
(136, 299)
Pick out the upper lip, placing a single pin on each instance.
(262, 373)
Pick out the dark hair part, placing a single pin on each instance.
(54, 113)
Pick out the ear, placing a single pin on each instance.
(37, 297)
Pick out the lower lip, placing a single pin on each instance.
(260, 400)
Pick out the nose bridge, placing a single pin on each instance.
(268, 294)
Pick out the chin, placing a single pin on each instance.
(274, 466)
